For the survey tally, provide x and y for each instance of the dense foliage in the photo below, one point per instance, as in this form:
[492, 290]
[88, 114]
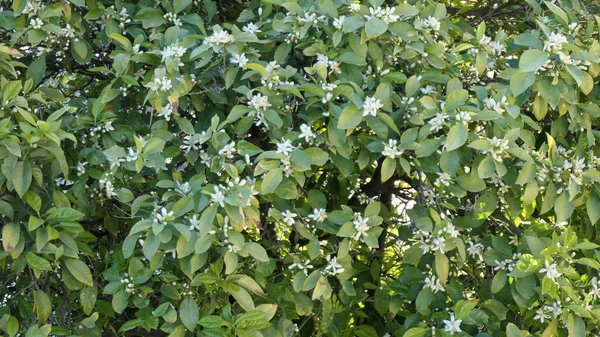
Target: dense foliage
[302, 168]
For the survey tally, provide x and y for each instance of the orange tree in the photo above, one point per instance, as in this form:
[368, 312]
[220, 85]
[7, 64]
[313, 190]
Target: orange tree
[300, 168]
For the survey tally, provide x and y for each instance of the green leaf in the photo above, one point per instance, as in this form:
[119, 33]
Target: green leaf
[129, 325]
[87, 298]
[457, 137]
[512, 330]
[323, 289]
[456, 98]
[329, 7]
[442, 267]
[123, 42]
[593, 206]
[21, 177]
[486, 168]
[526, 174]
[212, 321]
[189, 313]
[256, 251]
[387, 169]
[242, 298]
[350, 118]
[36, 70]
[121, 63]
[560, 14]
[563, 207]
[42, 304]
[521, 81]
[12, 326]
[119, 301]
[375, 27]
[417, 332]
[271, 180]
[180, 5]
[59, 155]
[150, 17]
[532, 60]
[11, 233]
[18, 6]
[64, 214]
[575, 326]
[154, 145]
[206, 220]
[80, 271]
[81, 50]
[231, 262]
[37, 262]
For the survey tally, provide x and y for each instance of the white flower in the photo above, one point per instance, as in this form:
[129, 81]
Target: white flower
[499, 146]
[452, 230]
[485, 40]
[437, 122]
[555, 309]
[391, 149]
[361, 227]
[110, 190]
[36, 23]
[430, 23]
[166, 112]
[190, 143]
[288, 217]
[464, 117]
[438, 244]
[81, 168]
[433, 283]
[491, 104]
[166, 53]
[272, 66]
[540, 315]
[164, 83]
[108, 126]
[172, 17]
[116, 162]
[251, 28]
[218, 197]
[319, 215]
[310, 18]
[219, 38]
[452, 325]
[429, 89]
[307, 133]
[304, 267]
[551, 271]
[259, 102]
[333, 268]
[497, 48]
[69, 31]
[133, 154]
[371, 106]
[475, 249]
[163, 216]
[239, 59]
[285, 147]
[555, 42]
[443, 179]
[339, 22]
[383, 14]
[355, 7]
[194, 222]
[183, 188]
[228, 150]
